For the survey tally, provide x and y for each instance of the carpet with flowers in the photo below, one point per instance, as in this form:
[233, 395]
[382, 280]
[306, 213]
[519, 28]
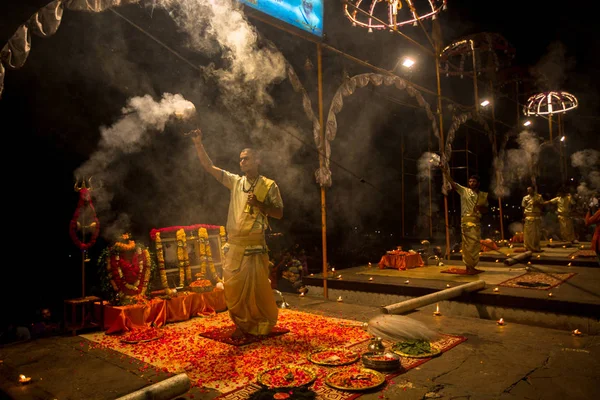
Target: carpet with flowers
[233, 370]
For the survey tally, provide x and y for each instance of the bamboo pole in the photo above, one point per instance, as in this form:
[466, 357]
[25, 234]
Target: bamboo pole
[416, 302]
[496, 147]
[441, 142]
[321, 164]
[402, 168]
[475, 91]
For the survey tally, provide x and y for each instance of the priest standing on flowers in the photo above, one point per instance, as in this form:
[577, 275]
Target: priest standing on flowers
[473, 203]
[254, 198]
[532, 204]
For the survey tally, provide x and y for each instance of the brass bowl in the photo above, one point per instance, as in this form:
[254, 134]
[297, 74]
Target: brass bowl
[386, 361]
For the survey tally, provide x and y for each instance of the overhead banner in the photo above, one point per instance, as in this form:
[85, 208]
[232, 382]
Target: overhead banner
[304, 14]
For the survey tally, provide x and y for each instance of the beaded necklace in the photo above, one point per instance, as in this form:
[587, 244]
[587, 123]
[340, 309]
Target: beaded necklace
[252, 185]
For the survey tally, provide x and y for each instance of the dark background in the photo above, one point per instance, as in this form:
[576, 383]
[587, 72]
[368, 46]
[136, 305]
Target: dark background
[76, 82]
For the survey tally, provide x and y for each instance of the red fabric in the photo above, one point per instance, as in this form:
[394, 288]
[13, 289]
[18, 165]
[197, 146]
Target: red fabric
[158, 312]
[591, 220]
[488, 245]
[401, 260]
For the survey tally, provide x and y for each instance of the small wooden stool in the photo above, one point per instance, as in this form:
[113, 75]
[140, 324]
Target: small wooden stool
[86, 308]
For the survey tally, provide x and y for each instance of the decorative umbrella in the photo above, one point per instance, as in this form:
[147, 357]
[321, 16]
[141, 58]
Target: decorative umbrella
[550, 103]
[391, 14]
[488, 52]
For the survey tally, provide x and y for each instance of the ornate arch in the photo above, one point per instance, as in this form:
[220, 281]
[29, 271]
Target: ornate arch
[457, 122]
[323, 174]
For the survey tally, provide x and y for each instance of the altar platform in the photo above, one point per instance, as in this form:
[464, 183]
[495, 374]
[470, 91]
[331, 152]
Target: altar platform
[158, 311]
[546, 291]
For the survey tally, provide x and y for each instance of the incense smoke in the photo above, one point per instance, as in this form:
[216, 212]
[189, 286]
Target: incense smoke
[518, 165]
[552, 70]
[141, 117]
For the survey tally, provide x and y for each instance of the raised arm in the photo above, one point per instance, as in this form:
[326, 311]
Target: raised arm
[446, 172]
[205, 160]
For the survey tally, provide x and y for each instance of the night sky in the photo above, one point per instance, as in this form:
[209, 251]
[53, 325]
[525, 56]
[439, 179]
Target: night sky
[75, 84]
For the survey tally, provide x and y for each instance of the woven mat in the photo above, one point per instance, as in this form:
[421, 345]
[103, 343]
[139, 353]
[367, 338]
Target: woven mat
[445, 343]
[583, 254]
[538, 280]
[223, 335]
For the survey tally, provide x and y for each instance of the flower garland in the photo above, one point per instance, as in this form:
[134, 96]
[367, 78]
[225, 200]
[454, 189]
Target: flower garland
[206, 256]
[185, 271]
[160, 256]
[85, 201]
[129, 270]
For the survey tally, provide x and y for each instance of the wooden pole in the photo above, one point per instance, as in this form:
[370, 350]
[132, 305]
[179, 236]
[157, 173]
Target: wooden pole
[496, 155]
[475, 91]
[441, 140]
[402, 168]
[416, 302]
[321, 164]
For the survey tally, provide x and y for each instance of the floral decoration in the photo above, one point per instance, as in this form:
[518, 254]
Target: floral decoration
[206, 256]
[129, 269]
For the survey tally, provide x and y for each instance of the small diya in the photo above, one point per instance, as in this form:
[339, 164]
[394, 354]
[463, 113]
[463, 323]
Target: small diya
[384, 362]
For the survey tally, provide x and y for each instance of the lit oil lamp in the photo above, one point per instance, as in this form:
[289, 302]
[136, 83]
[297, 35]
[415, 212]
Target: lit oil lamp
[496, 289]
[339, 276]
[407, 281]
[312, 274]
[528, 262]
[437, 312]
[370, 278]
[501, 322]
[550, 294]
[332, 269]
[497, 260]
[302, 294]
[339, 299]
[577, 332]
[569, 264]
[447, 285]
[370, 265]
[572, 257]
[24, 379]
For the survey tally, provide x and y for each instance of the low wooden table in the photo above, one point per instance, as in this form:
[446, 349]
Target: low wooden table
[83, 307]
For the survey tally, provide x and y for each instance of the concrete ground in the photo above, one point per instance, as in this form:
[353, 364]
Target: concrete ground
[514, 361]
[534, 356]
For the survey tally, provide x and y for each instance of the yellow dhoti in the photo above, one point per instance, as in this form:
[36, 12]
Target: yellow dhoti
[567, 233]
[471, 241]
[532, 233]
[248, 294]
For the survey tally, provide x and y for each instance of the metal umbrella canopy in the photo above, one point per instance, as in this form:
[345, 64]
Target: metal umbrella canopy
[391, 14]
[548, 104]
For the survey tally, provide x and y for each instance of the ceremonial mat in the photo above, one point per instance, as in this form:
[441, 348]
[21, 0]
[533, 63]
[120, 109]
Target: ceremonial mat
[538, 280]
[223, 335]
[444, 343]
[583, 254]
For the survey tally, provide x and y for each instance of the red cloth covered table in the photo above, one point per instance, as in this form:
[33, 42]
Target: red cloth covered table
[401, 260]
[158, 312]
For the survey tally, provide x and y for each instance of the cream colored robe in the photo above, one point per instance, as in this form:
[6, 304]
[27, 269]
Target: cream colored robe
[248, 293]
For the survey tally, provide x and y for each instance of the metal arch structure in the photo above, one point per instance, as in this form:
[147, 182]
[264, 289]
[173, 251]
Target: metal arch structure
[372, 14]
